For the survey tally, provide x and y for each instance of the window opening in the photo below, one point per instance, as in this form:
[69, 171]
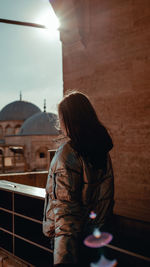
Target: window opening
[42, 155]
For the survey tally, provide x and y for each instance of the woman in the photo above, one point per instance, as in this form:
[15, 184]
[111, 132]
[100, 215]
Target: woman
[80, 180]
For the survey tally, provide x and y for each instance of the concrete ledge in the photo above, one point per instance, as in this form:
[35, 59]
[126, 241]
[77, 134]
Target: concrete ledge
[37, 179]
[7, 260]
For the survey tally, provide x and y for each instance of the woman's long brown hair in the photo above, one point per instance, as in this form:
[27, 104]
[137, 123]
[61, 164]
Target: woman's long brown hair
[88, 136]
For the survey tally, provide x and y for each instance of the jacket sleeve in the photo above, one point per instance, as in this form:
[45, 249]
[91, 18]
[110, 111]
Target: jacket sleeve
[67, 208]
[106, 198]
[48, 216]
[67, 204]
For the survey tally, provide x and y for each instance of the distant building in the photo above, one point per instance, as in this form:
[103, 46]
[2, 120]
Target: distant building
[26, 135]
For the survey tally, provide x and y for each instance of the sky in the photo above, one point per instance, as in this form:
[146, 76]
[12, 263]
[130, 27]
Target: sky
[30, 58]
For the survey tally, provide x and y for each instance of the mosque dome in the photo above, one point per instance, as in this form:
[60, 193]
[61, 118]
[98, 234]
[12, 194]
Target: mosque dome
[18, 110]
[42, 123]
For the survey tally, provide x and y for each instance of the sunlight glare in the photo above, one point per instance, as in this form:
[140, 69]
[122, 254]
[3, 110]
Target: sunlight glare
[51, 22]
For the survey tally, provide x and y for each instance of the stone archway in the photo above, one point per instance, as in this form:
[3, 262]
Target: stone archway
[17, 128]
[9, 130]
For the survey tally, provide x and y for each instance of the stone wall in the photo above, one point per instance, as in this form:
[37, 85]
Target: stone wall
[106, 54]
[32, 146]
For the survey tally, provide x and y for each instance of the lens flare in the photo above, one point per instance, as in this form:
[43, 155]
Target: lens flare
[103, 262]
[97, 233]
[97, 239]
[92, 215]
[51, 22]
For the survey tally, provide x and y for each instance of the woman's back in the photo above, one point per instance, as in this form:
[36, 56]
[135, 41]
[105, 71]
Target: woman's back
[93, 188]
[98, 193]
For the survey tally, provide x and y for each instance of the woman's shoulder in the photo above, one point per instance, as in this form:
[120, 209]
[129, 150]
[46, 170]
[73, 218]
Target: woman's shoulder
[64, 150]
[67, 156]
[64, 147]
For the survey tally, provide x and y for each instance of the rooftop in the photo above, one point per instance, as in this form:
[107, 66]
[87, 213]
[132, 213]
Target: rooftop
[18, 110]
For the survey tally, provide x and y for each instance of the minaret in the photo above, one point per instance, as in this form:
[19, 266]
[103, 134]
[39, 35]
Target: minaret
[20, 96]
[44, 105]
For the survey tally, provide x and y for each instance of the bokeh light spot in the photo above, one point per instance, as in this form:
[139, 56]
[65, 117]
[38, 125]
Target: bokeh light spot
[97, 242]
[92, 215]
[96, 233]
[103, 262]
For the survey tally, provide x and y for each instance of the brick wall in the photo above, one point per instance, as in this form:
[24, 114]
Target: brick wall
[106, 54]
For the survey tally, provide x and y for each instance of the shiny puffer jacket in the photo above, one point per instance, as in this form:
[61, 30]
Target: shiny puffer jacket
[73, 190]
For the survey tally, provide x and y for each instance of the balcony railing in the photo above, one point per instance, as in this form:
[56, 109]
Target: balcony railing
[21, 214]
[21, 210]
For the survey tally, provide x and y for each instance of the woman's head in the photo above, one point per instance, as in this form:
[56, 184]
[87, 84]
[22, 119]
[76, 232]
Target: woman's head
[75, 111]
[79, 121]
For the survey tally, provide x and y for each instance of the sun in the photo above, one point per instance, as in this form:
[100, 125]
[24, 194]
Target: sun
[51, 22]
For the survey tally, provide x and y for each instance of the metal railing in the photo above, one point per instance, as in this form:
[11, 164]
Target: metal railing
[21, 211]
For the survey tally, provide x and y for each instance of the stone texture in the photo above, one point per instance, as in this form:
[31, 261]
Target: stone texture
[110, 62]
